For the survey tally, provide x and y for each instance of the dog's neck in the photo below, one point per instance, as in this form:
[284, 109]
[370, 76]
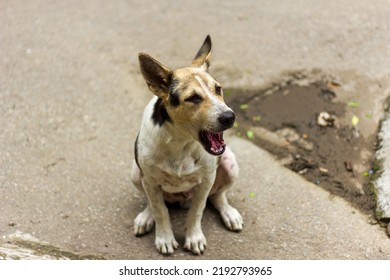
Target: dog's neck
[176, 141]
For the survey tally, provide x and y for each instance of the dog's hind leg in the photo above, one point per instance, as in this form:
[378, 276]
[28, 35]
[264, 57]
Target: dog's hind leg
[144, 221]
[227, 172]
[135, 176]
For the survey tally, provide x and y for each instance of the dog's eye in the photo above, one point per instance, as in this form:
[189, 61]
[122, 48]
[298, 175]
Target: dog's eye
[218, 89]
[195, 98]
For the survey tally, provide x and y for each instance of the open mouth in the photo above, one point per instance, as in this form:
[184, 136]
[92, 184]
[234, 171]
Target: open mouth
[212, 142]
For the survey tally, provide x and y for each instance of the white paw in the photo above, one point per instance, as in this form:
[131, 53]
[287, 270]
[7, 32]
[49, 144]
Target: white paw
[196, 243]
[166, 244]
[232, 218]
[144, 222]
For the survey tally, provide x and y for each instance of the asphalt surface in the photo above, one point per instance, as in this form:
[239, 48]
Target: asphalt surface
[72, 98]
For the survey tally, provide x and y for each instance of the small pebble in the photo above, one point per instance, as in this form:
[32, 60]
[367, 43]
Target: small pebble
[323, 170]
[348, 166]
[325, 119]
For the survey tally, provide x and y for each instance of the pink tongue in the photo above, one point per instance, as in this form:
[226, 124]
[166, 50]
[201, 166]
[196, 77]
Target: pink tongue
[216, 140]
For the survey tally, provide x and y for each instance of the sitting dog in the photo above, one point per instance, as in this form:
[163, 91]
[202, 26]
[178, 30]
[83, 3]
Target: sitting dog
[180, 153]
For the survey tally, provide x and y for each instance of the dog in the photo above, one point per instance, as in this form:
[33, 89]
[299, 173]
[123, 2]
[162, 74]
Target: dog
[180, 153]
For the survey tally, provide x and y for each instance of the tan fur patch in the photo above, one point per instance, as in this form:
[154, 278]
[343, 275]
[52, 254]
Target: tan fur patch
[191, 81]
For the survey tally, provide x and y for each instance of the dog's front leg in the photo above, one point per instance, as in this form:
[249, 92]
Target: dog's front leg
[165, 240]
[195, 240]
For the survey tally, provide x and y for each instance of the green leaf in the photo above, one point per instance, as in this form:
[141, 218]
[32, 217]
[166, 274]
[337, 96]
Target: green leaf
[227, 92]
[368, 116]
[250, 134]
[252, 194]
[244, 106]
[353, 104]
[256, 118]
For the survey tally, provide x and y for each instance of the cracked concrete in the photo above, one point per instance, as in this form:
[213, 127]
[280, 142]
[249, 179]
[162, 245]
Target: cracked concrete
[382, 183]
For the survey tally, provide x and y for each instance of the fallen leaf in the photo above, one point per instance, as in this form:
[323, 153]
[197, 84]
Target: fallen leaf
[250, 134]
[355, 120]
[368, 116]
[252, 194]
[244, 106]
[227, 92]
[256, 118]
[353, 104]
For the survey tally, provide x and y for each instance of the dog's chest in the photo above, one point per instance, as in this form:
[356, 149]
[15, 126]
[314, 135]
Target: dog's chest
[179, 175]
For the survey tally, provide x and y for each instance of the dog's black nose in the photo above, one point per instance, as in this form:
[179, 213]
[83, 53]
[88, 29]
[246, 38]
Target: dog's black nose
[227, 119]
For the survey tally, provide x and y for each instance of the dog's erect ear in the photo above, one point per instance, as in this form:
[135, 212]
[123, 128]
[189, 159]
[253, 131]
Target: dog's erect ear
[157, 76]
[202, 58]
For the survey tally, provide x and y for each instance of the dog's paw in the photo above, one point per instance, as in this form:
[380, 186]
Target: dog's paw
[196, 243]
[232, 218]
[144, 222]
[166, 245]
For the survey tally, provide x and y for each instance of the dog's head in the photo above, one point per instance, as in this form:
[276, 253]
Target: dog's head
[190, 99]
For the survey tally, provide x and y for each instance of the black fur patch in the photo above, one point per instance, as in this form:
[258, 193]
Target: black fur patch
[174, 98]
[174, 94]
[136, 151]
[160, 114]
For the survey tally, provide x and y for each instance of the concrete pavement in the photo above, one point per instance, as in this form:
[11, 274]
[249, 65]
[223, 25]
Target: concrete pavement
[72, 98]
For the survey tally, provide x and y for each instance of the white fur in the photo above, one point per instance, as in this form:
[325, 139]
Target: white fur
[171, 164]
[218, 106]
[174, 166]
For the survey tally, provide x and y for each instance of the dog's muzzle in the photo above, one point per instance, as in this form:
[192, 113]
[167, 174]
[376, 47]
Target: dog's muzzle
[213, 141]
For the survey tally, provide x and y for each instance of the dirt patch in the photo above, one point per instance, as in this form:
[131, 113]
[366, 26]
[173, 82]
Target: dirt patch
[302, 127]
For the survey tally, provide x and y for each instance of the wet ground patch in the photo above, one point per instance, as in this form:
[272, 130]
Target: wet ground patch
[305, 128]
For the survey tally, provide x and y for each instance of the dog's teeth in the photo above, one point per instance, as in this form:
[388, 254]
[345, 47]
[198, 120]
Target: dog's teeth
[216, 150]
